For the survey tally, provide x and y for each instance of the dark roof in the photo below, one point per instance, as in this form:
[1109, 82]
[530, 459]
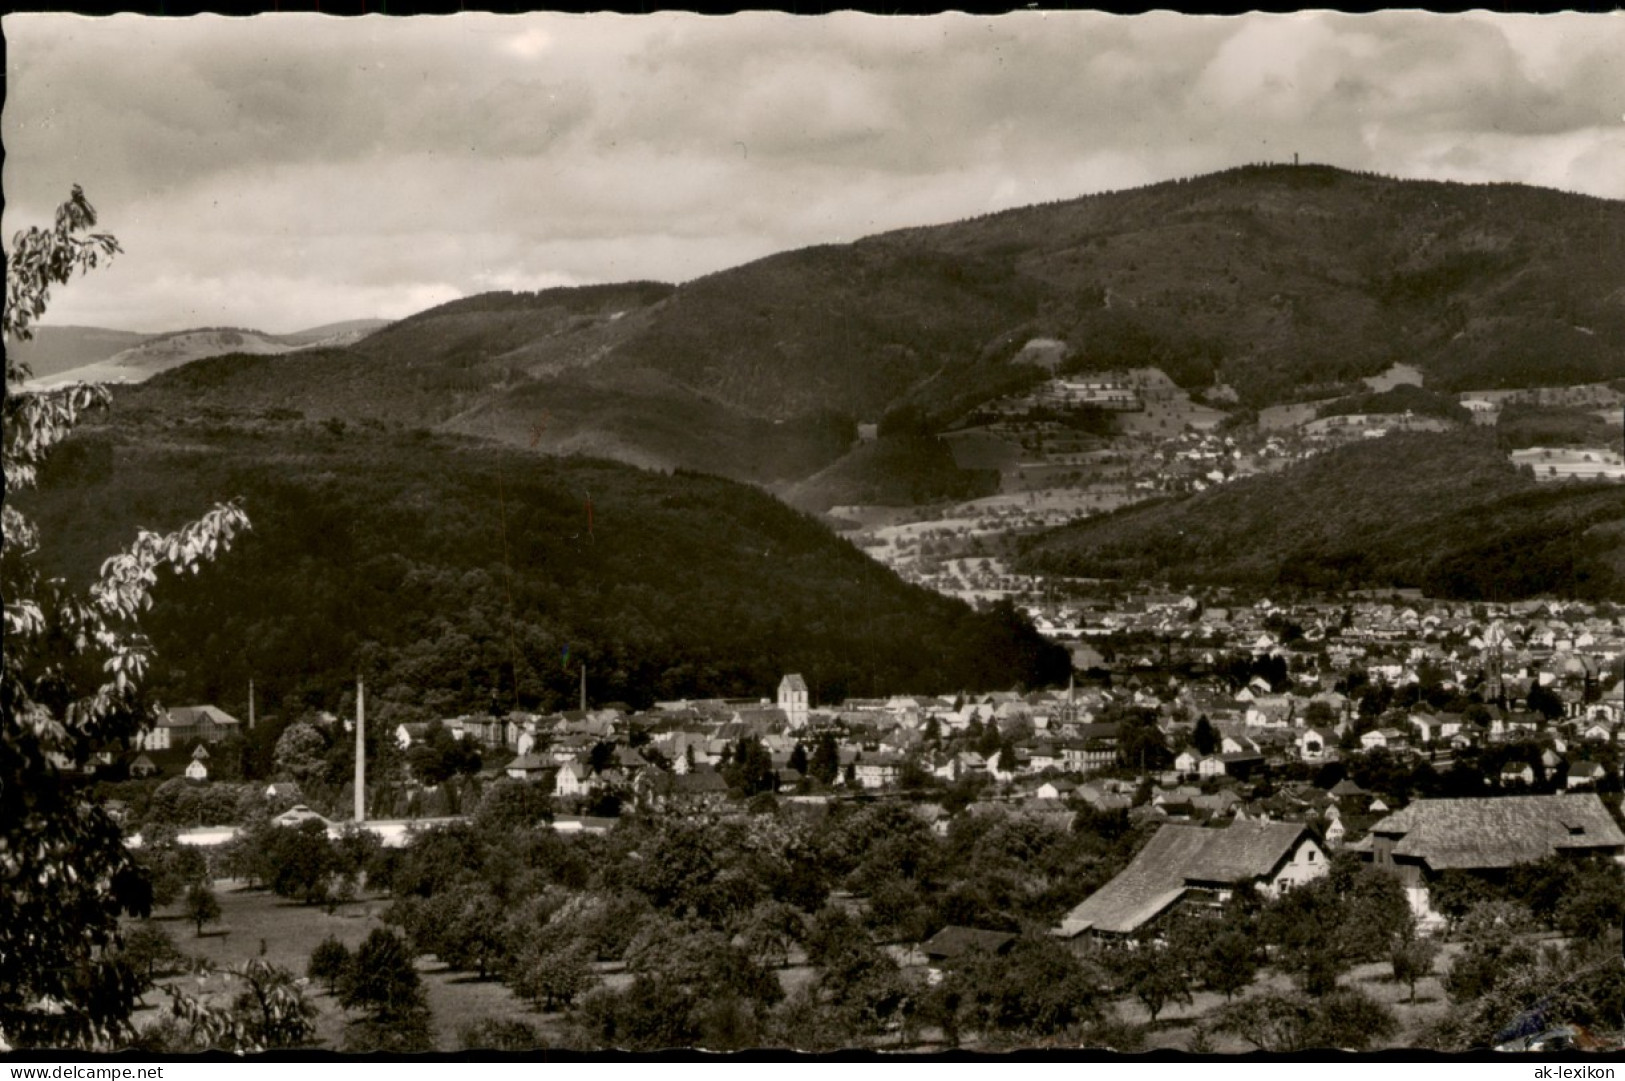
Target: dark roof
[1500, 832]
[1175, 858]
[951, 942]
[695, 783]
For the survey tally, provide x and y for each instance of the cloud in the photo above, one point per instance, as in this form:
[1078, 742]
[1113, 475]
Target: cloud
[283, 170]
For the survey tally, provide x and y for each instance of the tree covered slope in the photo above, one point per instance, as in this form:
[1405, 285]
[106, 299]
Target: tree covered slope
[437, 565]
[1443, 512]
[1286, 283]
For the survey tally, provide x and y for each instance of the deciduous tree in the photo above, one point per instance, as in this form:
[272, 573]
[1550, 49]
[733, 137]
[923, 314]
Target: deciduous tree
[72, 663]
[201, 907]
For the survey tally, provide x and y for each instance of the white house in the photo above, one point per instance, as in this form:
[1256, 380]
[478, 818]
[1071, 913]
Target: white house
[1314, 744]
[1388, 738]
[574, 779]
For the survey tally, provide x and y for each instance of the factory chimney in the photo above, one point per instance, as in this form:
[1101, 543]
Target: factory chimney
[360, 752]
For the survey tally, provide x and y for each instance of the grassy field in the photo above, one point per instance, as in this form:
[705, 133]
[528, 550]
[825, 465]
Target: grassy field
[253, 921]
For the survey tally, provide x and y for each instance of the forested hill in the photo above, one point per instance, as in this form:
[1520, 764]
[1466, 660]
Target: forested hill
[1283, 282]
[432, 563]
[1446, 513]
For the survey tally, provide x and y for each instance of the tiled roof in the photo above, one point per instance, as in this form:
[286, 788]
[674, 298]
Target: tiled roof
[1500, 832]
[190, 716]
[1175, 858]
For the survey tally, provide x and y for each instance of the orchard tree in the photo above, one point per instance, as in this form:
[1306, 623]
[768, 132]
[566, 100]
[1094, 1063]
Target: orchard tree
[1412, 960]
[151, 952]
[72, 663]
[328, 963]
[201, 907]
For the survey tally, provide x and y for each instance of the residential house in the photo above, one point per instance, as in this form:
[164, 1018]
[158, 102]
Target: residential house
[1055, 789]
[878, 770]
[1487, 836]
[1243, 764]
[143, 767]
[1514, 773]
[1187, 761]
[1586, 774]
[177, 727]
[1197, 867]
[528, 767]
[1315, 744]
[1390, 739]
[1270, 711]
[703, 789]
[574, 779]
[196, 770]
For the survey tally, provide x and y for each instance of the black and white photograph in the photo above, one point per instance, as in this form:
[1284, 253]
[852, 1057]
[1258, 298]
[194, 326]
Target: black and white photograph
[1053, 531]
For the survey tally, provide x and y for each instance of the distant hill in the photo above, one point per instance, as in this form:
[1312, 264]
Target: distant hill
[81, 356]
[435, 563]
[1285, 283]
[57, 349]
[1446, 513]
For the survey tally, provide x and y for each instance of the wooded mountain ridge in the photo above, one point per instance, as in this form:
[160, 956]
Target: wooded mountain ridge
[1283, 283]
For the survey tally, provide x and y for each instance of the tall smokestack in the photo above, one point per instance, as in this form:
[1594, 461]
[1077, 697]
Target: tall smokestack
[360, 752]
[250, 705]
[583, 686]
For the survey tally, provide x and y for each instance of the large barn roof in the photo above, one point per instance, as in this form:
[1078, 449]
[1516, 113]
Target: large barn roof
[1177, 858]
[1500, 832]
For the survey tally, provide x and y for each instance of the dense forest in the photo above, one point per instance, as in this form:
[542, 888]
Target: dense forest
[1443, 512]
[457, 575]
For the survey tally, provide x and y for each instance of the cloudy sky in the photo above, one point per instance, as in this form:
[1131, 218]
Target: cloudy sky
[285, 171]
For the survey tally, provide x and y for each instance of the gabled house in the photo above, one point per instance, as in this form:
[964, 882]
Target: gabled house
[143, 767]
[1197, 867]
[1586, 774]
[1056, 789]
[1315, 743]
[574, 779]
[1518, 773]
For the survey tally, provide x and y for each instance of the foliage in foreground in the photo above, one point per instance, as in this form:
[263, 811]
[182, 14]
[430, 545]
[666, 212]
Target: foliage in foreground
[72, 664]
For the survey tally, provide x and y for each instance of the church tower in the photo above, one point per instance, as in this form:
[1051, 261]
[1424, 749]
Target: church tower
[793, 700]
